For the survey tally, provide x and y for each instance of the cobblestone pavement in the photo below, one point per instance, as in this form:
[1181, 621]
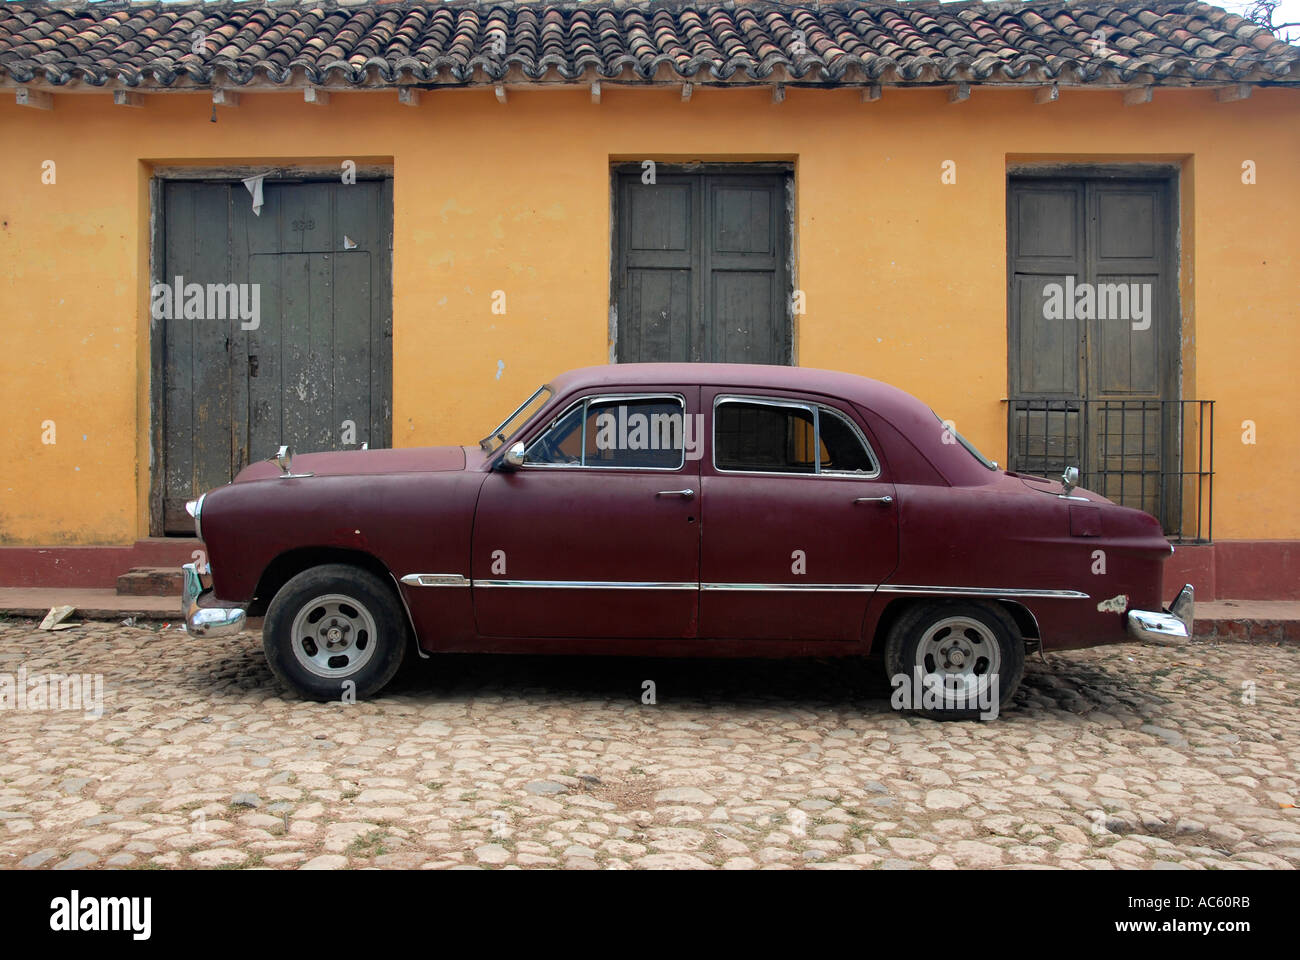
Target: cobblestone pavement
[1126, 756]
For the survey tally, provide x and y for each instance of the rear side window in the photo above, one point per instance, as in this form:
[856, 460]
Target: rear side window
[771, 436]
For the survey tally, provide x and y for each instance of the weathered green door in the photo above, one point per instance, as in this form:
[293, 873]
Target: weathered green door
[702, 268]
[299, 351]
[1093, 335]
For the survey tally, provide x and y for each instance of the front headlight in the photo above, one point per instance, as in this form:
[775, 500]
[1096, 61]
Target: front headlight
[195, 509]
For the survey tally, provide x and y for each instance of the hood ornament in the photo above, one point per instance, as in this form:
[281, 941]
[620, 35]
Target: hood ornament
[1069, 480]
[284, 460]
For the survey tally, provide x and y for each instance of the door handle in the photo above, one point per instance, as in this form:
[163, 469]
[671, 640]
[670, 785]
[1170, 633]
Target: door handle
[883, 501]
[684, 494]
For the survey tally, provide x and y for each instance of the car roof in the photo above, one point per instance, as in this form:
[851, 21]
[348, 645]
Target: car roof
[863, 390]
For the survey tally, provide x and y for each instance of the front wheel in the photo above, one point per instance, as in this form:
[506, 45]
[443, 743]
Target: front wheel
[954, 660]
[335, 632]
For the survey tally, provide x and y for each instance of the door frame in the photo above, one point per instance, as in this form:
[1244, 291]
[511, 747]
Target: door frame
[209, 172]
[786, 256]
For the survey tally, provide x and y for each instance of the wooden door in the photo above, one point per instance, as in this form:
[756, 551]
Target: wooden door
[702, 268]
[310, 366]
[1093, 336]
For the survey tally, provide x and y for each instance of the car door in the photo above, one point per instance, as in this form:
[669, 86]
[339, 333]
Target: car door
[800, 525]
[597, 534]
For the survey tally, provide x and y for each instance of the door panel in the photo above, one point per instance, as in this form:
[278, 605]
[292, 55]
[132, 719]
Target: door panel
[661, 299]
[753, 528]
[742, 310]
[789, 555]
[592, 552]
[701, 268]
[199, 433]
[316, 358]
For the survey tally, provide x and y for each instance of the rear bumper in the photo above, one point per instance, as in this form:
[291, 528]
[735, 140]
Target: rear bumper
[1174, 623]
[203, 621]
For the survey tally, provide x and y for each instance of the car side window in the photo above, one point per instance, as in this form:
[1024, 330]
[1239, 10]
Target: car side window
[764, 436]
[843, 448]
[772, 436]
[618, 432]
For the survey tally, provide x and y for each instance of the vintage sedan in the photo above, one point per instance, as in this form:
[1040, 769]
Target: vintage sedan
[681, 510]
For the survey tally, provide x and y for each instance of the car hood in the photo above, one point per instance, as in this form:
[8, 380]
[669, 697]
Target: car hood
[344, 463]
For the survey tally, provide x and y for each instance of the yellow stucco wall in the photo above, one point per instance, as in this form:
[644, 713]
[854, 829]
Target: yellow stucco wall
[905, 277]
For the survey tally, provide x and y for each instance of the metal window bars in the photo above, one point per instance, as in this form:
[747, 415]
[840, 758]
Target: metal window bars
[1156, 455]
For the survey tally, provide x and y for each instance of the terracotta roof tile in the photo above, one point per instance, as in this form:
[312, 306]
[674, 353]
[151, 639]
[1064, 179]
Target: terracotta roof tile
[340, 42]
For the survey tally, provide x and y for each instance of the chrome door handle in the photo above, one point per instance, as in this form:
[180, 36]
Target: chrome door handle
[684, 494]
[886, 501]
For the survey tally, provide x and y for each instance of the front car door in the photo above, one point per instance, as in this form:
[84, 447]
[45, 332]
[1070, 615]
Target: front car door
[800, 523]
[597, 535]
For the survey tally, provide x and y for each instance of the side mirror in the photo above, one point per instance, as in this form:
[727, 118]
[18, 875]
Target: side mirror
[1069, 480]
[514, 457]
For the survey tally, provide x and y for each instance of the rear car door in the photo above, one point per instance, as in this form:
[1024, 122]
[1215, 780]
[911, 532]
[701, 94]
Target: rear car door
[800, 526]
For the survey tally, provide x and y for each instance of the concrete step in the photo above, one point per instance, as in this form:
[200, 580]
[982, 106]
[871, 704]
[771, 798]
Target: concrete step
[150, 582]
[92, 604]
[1248, 621]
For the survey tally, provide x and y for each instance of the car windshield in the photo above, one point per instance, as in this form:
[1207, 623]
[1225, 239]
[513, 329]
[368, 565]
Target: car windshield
[970, 447]
[511, 424]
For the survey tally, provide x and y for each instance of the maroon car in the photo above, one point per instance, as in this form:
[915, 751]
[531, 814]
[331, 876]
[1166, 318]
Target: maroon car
[681, 510]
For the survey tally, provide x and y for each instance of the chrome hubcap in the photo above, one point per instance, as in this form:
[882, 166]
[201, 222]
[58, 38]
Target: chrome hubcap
[333, 636]
[961, 655]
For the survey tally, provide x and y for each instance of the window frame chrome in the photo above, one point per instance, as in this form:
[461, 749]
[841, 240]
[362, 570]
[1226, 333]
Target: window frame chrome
[586, 402]
[518, 410]
[815, 407]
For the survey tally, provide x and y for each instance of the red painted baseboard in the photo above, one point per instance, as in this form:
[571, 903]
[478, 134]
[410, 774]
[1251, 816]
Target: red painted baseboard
[89, 567]
[1237, 570]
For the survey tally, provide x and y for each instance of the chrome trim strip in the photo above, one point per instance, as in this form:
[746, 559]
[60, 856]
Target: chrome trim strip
[589, 584]
[435, 580]
[456, 580]
[811, 587]
[666, 585]
[985, 591]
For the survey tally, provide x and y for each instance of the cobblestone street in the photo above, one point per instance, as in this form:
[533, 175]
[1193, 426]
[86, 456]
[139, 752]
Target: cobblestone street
[1125, 756]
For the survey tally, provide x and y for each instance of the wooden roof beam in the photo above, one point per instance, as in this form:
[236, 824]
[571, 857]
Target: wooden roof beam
[1137, 96]
[27, 97]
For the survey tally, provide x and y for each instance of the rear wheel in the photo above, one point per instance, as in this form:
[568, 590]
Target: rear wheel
[335, 632]
[954, 660]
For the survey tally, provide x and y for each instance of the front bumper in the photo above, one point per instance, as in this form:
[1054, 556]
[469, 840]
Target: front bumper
[1175, 623]
[203, 621]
